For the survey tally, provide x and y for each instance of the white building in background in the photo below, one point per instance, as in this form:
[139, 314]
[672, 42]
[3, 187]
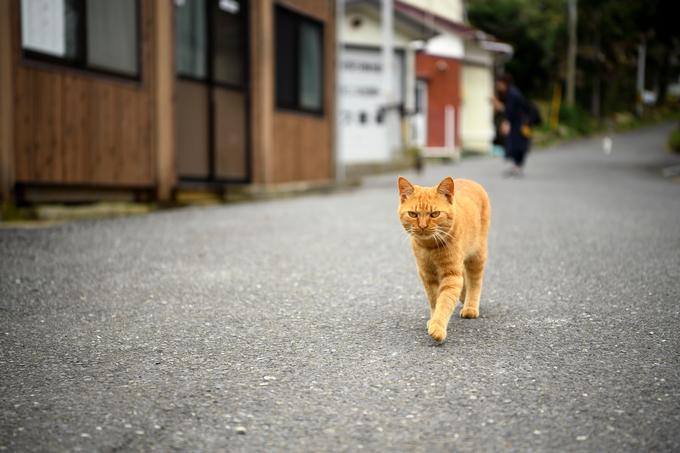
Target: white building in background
[452, 10]
[371, 128]
[481, 56]
[373, 131]
[474, 54]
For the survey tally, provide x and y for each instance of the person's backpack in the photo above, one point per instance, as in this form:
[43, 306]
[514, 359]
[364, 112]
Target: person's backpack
[531, 118]
[533, 115]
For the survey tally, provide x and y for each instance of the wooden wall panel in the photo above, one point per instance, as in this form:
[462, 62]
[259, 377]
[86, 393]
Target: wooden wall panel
[302, 151]
[230, 134]
[79, 127]
[47, 160]
[128, 165]
[7, 113]
[76, 133]
[191, 129]
[321, 9]
[103, 129]
[302, 143]
[285, 158]
[23, 125]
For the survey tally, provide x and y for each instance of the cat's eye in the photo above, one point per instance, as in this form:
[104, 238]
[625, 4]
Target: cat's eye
[435, 214]
[413, 214]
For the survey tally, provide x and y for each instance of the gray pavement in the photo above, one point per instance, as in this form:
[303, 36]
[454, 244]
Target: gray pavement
[299, 325]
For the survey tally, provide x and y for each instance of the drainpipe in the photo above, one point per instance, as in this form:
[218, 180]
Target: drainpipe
[339, 52]
[387, 20]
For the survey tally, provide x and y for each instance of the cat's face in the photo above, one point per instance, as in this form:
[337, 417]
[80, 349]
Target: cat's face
[426, 212]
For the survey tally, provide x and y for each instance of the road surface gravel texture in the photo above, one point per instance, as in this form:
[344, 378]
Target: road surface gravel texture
[299, 324]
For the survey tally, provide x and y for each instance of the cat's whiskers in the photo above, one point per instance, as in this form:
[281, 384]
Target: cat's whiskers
[409, 233]
[438, 239]
[446, 234]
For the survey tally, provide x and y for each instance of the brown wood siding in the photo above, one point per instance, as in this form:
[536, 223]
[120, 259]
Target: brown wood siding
[303, 143]
[230, 144]
[76, 127]
[261, 88]
[6, 104]
[302, 148]
[191, 133]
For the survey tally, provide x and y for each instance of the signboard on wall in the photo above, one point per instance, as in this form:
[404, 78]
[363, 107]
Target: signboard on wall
[42, 26]
[369, 133]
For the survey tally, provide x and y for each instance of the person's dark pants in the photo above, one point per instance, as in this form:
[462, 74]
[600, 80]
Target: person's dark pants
[518, 156]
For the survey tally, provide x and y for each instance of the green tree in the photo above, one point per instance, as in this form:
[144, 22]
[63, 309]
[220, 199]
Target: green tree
[609, 34]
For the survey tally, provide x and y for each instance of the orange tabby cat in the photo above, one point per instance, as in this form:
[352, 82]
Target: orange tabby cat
[448, 226]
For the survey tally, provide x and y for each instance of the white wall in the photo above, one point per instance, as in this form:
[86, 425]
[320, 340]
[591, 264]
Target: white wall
[361, 88]
[476, 54]
[368, 32]
[477, 128]
[448, 9]
[364, 137]
[446, 45]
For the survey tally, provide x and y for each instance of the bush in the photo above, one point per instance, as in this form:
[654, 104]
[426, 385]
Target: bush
[578, 119]
[674, 140]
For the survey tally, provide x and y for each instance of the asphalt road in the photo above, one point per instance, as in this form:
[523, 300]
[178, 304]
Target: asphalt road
[299, 325]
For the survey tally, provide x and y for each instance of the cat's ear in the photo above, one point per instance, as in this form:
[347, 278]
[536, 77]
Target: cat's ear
[405, 188]
[446, 188]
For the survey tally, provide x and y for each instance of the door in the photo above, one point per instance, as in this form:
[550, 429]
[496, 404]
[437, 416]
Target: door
[211, 38]
[369, 132]
[419, 120]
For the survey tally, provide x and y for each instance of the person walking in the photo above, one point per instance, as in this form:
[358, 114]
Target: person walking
[515, 128]
[498, 144]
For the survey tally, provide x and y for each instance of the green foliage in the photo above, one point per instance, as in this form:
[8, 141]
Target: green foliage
[674, 140]
[577, 119]
[534, 28]
[609, 32]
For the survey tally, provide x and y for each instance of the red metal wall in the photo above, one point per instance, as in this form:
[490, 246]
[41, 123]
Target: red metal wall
[444, 78]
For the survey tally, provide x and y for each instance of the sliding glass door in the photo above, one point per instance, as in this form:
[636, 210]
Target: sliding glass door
[212, 90]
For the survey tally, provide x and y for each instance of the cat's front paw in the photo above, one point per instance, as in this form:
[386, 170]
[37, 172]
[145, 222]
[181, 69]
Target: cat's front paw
[436, 331]
[469, 312]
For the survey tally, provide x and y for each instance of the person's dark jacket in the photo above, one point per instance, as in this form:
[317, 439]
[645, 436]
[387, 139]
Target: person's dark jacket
[498, 139]
[515, 113]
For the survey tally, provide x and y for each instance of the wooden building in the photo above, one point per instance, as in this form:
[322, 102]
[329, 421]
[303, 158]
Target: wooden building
[140, 98]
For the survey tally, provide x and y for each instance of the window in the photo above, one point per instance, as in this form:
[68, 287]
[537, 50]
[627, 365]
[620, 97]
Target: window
[229, 37]
[299, 62]
[112, 35]
[50, 27]
[80, 33]
[190, 35]
[211, 40]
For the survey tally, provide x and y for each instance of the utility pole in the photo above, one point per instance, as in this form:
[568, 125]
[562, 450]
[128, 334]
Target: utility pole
[339, 104]
[387, 20]
[571, 56]
[387, 50]
[642, 57]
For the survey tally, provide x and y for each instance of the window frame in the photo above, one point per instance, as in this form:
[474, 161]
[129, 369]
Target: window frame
[79, 63]
[209, 36]
[300, 17]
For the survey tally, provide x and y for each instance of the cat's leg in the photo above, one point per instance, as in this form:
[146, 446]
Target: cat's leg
[462, 292]
[431, 285]
[450, 287]
[474, 271]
